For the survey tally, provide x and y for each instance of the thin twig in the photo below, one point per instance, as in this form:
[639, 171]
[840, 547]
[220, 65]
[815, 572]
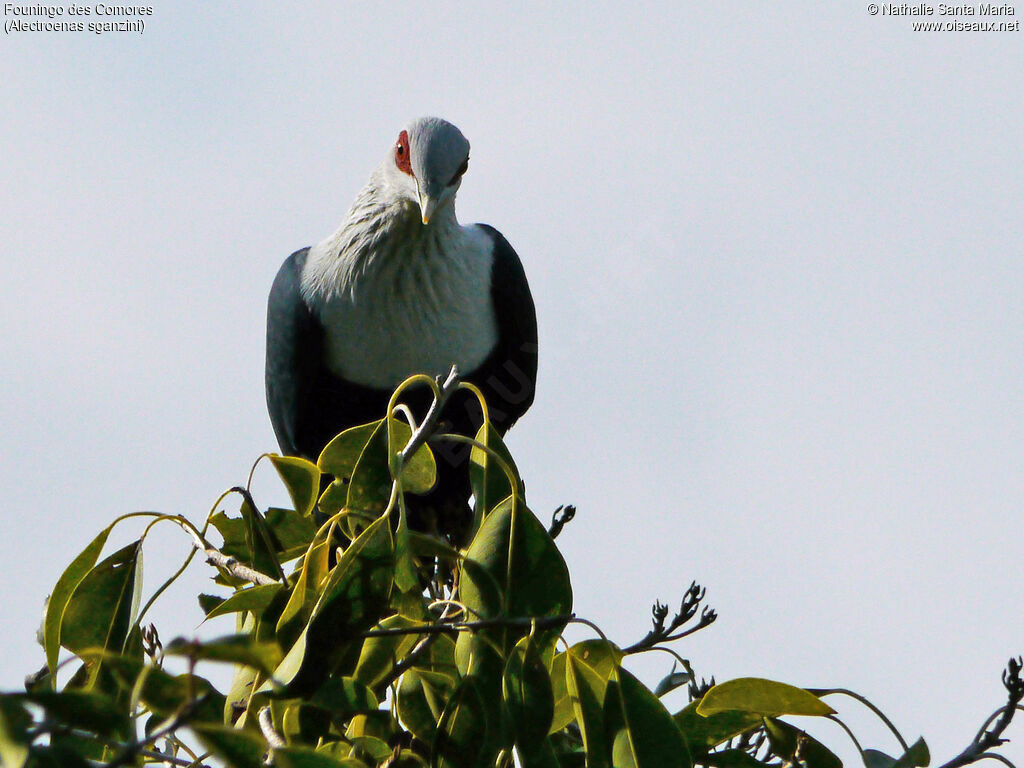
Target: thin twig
[687, 610]
[421, 647]
[543, 622]
[430, 421]
[987, 738]
[230, 564]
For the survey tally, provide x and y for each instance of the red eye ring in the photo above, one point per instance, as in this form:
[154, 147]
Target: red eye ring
[402, 158]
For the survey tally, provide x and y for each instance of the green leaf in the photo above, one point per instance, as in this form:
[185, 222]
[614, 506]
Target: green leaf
[513, 564]
[762, 697]
[302, 480]
[238, 748]
[86, 710]
[339, 457]
[917, 756]
[640, 730]
[305, 593]
[526, 687]
[785, 739]
[344, 696]
[249, 540]
[422, 696]
[292, 531]
[207, 603]
[380, 654]
[103, 606]
[254, 599]
[490, 483]
[369, 488]
[602, 656]
[14, 738]
[235, 649]
[586, 690]
[419, 473]
[564, 712]
[61, 595]
[304, 757]
[701, 733]
[161, 692]
[353, 597]
[461, 738]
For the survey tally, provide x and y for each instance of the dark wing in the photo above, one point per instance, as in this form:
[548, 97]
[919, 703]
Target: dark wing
[294, 348]
[308, 404]
[509, 375]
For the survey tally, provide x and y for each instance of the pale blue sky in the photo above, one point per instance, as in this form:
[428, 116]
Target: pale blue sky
[778, 260]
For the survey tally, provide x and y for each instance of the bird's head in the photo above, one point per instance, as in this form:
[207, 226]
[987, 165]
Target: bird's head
[426, 164]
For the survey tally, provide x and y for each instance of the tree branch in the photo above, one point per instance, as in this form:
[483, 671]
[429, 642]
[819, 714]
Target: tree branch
[987, 738]
[561, 516]
[687, 610]
[230, 564]
[430, 421]
[543, 622]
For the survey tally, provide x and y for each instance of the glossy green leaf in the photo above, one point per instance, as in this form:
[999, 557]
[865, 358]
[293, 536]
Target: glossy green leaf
[375, 748]
[305, 593]
[490, 483]
[701, 733]
[380, 654]
[526, 687]
[586, 694]
[65, 587]
[407, 577]
[420, 473]
[762, 697]
[512, 563]
[104, 604]
[461, 740]
[339, 457]
[254, 599]
[302, 480]
[422, 696]
[239, 748]
[369, 489]
[235, 649]
[564, 713]
[354, 595]
[785, 740]
[602, 656]
[640, 731]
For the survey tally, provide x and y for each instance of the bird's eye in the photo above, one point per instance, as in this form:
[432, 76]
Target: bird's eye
[402, 159]
[458, 174]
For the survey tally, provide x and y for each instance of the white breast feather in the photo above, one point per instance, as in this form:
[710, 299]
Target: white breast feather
[390, 311]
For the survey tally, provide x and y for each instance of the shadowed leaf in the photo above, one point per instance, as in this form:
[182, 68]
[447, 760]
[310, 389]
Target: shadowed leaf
[302, 480]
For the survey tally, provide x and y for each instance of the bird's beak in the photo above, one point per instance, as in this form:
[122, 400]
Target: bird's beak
[428, 207]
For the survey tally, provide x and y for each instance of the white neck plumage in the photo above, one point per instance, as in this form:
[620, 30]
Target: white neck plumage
[398, 297]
